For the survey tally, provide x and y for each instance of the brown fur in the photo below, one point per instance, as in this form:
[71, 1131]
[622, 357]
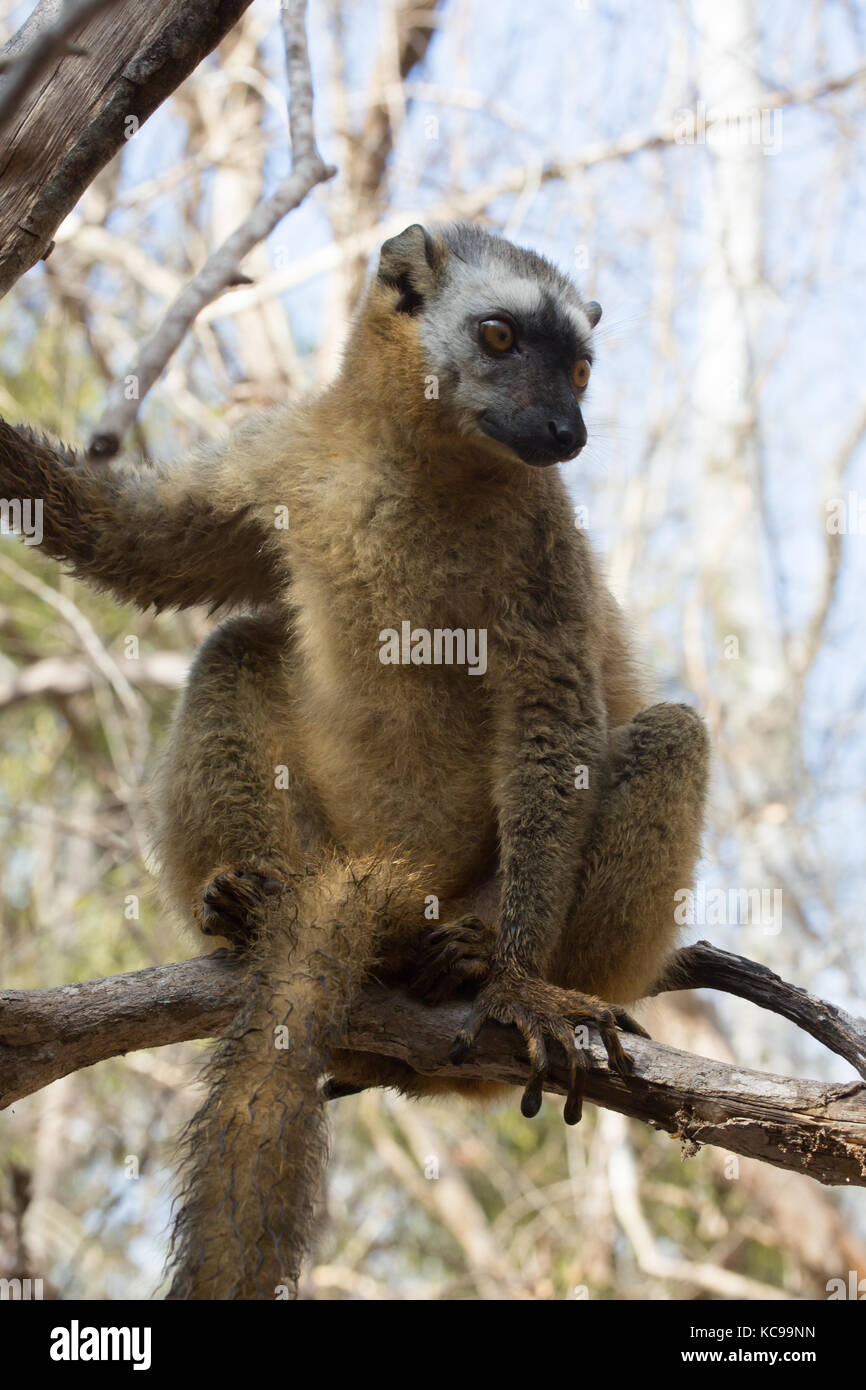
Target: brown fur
[403, 781]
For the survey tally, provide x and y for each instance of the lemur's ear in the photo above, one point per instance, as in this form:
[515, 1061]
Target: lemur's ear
[410, 263]
[593, 312]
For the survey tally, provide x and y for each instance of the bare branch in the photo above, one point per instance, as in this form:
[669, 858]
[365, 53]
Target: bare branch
[475, 202]
[806, 1126]
[301, 130]
[57, 678]
[223, 268]
[703, 966]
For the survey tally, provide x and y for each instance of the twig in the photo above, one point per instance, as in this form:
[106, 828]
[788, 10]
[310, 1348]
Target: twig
[475, 202]
[222, 269]
[806, 1126]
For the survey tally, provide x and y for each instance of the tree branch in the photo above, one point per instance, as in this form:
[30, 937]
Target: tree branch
[65, 128]
[475, 202]
[223, 267]
[59, 678]
[807, 1126]
[703, 966]
[24, 63]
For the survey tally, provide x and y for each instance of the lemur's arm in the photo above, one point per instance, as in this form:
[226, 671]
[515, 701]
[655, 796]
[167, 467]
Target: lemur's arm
[551, 737]
[551, 746]
[169, 536]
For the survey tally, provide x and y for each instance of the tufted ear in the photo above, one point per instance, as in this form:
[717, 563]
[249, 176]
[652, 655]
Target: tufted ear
[593, 311]
[410, 263]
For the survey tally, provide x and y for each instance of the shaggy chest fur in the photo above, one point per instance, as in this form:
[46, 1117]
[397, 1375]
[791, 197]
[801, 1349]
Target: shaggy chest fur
[401, 613]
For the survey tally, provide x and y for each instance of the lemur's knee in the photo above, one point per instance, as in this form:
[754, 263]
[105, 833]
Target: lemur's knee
[669, 741]
[241, 644]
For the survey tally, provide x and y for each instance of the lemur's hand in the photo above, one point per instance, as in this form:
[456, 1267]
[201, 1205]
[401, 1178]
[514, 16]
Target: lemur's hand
[454, 956]
[540, 1010]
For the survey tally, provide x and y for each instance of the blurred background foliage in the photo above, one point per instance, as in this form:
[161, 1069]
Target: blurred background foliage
[727, 410]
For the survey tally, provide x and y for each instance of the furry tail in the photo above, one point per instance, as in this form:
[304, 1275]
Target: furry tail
[254, 1155]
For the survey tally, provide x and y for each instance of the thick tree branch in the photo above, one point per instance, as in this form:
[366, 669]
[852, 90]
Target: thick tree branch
[223, 267]
[26, 59]
[67, 126]
[806, 1126]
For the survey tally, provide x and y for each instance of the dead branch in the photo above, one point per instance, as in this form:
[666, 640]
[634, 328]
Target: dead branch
[67, 126]
[223, 268]
[703, 966]
[807, 1126]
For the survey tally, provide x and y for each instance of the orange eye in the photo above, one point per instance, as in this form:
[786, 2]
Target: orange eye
[497, 334]
[580, 374]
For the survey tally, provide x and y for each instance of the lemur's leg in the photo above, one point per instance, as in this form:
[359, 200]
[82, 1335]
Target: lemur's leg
[235, 820]
[643, 845]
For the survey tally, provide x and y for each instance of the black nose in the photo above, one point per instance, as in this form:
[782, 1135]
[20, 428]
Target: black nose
[568, 438]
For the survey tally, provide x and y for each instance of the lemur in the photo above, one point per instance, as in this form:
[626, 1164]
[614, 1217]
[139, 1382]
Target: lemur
[314, 799]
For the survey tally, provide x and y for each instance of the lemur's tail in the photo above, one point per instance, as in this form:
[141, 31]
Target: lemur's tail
[254, 1155]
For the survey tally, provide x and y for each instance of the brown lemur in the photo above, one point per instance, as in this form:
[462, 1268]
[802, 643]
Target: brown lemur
[316, 799]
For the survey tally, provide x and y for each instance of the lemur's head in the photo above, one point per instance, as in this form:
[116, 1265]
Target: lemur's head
[507, 336]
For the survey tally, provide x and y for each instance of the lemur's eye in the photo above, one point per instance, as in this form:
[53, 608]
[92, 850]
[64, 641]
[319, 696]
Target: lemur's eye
[580, 374]
[497, 334]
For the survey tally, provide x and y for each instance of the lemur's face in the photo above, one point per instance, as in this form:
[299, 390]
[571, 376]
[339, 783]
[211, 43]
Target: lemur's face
[509, 340]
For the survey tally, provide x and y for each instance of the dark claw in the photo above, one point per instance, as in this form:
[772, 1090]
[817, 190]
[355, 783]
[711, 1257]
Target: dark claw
[573, 1111]
[541, 1012]
[531, 1101]
[335, 1090]
[628, 1024]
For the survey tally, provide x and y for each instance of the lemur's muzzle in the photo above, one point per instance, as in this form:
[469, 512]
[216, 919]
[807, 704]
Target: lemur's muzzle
[539, 435]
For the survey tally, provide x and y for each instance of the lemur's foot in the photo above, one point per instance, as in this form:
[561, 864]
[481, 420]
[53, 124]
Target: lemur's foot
[457, 954]
[539, 1011]
[231, 904]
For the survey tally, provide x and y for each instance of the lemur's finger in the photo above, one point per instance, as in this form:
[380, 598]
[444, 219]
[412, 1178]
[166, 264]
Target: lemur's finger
[619, 1060]
[467, 1037]
[628, 1024]
[577, 1067]
[530, 1103]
